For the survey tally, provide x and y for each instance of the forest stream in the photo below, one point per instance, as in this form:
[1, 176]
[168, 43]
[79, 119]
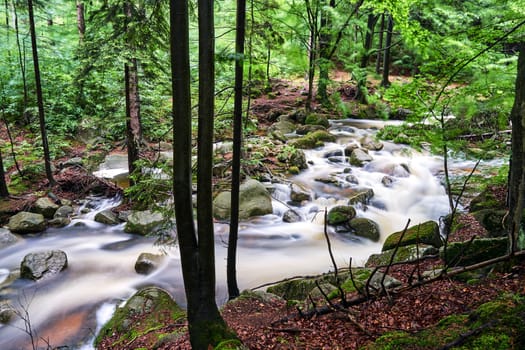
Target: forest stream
[101, 258]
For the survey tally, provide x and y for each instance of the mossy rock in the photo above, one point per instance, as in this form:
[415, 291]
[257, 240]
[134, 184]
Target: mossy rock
[424, 233]
[404, 254]
[153, 306]
[341, 214]
[497, 324]
[485, 200]
[472, 252]
[293, 290]
[313, 140]
[317, 119]
[492, 221]
[365, 228]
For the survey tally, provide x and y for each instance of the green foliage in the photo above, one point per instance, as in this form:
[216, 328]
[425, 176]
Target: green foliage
[152, 188]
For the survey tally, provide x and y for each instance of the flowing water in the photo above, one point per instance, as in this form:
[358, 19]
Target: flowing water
[100, 273]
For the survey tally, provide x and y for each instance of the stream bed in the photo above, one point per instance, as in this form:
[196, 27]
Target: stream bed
[69, 308]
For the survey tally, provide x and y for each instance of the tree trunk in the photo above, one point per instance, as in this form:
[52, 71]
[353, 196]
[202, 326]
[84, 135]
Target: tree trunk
[40, 99]
[81, 23]
[380, 44]
[4, 192]
[231, 273]
[133, 123]
[369, 36]
[517, 161]
[21, 60]
[325, 38]
[206, 326]
[311, 69]
[386, 58]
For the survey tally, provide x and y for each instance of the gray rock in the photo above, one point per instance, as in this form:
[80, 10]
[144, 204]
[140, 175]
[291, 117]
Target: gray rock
[59, 222]
[299, 193]
[371, 144]
[73, 162]
[365, 228]
[7, 312]
[254, 200]
[25, 222]
[282, 127]
[45, 207]
[43, 264]
[7, 238]
[64, 211]
[107, 217]
[291, 216]
[359, 157]
[147, 263]
[387, 181]
[361, 195]
[144, 222]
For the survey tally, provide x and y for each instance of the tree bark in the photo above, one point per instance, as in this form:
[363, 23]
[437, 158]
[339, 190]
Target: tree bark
[206, 326]
[380, 44]
[517, 161]
[386, 58]
[4, 192]
[40, 99]
[369, 37]
[231, 273]
[81, 23]
[133, 122]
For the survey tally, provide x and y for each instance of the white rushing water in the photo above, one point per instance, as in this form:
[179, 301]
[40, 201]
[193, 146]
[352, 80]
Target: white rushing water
[101, 258]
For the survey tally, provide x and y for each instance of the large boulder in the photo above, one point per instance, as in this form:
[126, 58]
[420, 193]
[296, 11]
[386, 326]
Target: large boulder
[147, 263]
[407, 253]
[153, 306]
[340, 215]
[144, 222]
[279, 129]
[107, 217]
[424, 233]
[46, 207]
[43, 264]
[26, 222]
[254, 200]
[365, 228]
[472, 252]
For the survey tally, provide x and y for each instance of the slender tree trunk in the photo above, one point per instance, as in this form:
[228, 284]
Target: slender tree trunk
[21, 60]
[40, 99]
[250, 50]
[380, 44]
[233, 289]
[206, 326]
[386, 58]
[4, 192]
[133, 123]
[517, 162]
[81, 23]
